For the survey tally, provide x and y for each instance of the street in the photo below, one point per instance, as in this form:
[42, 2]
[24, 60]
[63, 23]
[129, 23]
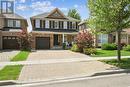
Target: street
[105, 81]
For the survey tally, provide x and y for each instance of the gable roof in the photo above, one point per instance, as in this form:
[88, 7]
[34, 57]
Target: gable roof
[48, 14]
[58, 11]
[12, 16]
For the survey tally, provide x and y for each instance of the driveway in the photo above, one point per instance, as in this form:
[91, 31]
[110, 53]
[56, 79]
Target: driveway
[60, 69]
[54, 54]
[6, 55]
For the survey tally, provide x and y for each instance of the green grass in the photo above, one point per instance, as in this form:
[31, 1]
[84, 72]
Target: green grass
[21, 56]
[108, 53]
[124, 64]
[10, 72]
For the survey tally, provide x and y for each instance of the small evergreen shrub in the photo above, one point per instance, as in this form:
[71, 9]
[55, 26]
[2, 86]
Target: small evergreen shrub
[64, 46]
[126, 48]
[109, 46]
[75, 48]
[89, 51]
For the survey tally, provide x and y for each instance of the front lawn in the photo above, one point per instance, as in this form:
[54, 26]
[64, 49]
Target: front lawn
[10, 72]
[108, 53]
[124, 64]
[21, 56]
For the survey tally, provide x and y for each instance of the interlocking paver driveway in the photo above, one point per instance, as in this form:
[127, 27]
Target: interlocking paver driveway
[54, 54]
[60, 69]
[6, 55]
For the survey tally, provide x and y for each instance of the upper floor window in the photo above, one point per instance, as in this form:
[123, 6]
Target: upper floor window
[56, 24]
[61, 24]
[14, 23]
[37, 23]
[74, 25]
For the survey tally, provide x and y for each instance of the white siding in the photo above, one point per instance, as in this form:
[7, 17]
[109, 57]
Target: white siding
[65, 25]
[46, 24]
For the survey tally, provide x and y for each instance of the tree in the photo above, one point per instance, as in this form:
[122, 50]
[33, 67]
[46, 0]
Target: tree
[84, 40]
[74, 14]
[24, 40]
[110, 16]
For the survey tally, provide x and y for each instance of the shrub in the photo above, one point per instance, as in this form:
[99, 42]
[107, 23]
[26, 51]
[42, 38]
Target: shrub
[109, 46]
[127, 48]
[64, 46]
[89, 51]
[24, 40]
[84, 40]
[75, 48]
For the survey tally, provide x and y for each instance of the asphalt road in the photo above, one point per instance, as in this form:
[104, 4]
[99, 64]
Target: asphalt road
[107, 81]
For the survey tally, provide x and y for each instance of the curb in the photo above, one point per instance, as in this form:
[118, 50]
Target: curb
[8, 82]
[111, 72]
[47, 81]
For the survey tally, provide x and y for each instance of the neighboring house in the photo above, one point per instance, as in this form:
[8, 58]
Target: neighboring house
[10, 27]
[107, 38]
[51, 30]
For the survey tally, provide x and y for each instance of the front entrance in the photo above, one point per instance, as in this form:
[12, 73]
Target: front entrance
[56, 43]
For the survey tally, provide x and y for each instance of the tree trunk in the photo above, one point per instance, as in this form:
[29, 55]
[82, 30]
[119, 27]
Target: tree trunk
[119, 45]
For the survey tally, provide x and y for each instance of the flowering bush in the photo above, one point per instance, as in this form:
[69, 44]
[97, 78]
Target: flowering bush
[84, 40]
[24, 40]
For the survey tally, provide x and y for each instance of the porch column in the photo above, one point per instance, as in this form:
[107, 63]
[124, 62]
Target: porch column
[63, 38]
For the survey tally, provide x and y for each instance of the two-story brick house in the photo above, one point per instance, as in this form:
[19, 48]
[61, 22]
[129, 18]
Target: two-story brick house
[10, 27]
[50, 30]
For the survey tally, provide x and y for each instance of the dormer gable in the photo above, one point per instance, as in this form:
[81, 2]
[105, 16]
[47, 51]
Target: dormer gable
[56, 14]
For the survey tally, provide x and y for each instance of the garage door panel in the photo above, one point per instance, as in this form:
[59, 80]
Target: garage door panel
[10, 43]
[42, 43]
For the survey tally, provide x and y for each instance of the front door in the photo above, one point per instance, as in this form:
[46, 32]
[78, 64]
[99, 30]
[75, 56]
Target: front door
[56, 43]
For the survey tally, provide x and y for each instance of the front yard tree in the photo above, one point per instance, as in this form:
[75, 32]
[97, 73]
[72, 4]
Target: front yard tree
[110, 16]
[74, 14]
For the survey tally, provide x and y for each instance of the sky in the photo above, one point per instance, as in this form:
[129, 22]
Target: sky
[28, 8]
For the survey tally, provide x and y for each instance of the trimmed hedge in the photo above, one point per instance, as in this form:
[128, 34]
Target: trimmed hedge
[89, 51]
[126, 48]
[109, 46]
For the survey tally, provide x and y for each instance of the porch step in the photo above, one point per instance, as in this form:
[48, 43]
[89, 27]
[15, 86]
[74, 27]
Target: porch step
[56, 48]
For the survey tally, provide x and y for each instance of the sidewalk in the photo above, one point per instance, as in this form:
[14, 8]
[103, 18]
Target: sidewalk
[63, 60]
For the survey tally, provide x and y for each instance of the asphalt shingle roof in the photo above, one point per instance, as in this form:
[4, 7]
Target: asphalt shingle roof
[12, 16]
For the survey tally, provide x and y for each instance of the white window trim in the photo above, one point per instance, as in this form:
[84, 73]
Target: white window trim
[17, 23]
[37, 23]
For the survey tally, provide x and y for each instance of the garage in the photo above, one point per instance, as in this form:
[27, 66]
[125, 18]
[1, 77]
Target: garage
[10, 42]
[42, 43]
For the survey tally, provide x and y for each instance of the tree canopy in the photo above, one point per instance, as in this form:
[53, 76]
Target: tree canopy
[74, 14]
[109, 15]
